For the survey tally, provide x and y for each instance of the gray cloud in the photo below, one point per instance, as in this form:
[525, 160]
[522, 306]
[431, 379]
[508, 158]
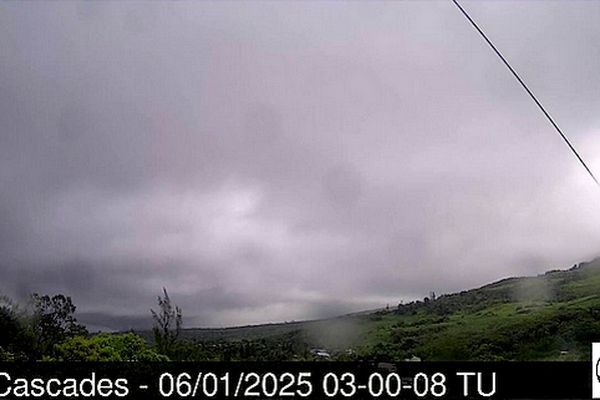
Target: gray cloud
[280, 161]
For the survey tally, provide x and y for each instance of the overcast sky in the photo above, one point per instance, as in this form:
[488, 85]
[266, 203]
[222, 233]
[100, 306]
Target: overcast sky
[270, 161]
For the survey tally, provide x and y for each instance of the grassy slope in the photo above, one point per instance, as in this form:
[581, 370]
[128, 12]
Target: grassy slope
[550, 317]
[532, 318]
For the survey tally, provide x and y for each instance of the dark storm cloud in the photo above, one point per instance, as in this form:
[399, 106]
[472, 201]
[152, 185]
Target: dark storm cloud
[280, 161]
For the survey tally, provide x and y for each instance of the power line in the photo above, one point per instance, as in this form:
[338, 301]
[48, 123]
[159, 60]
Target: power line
[529, 92]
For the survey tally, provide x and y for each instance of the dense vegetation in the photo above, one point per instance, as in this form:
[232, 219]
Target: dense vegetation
[554, 316]
[46, 329]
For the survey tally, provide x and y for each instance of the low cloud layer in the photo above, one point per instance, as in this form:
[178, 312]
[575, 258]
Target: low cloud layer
[270, 161]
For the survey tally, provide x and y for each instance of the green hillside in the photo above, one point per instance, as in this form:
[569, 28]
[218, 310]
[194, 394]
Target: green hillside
[553, 316]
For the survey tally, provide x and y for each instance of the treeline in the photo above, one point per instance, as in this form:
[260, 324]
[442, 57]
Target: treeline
[46, 329]
[465, 301]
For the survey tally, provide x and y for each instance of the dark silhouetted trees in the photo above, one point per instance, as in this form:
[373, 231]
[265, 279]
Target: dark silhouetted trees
[53, 321]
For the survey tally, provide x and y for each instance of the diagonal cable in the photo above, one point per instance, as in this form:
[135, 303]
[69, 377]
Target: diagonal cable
[529, 92]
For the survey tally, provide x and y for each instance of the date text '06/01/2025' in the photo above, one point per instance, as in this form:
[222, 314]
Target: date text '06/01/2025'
[286, 384]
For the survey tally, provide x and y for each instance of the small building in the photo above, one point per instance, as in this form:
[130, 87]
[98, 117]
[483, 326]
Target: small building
[321, 353]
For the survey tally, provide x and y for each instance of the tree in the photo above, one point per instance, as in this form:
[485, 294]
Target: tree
[11, 329]
[167, 324]
[16, 336]
[9, 323]
[53, 321]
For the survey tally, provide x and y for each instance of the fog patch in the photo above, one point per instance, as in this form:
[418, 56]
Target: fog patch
[335, 334]
[532, 290]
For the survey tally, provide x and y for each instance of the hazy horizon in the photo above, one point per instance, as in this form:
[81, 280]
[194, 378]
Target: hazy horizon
[279, 161]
